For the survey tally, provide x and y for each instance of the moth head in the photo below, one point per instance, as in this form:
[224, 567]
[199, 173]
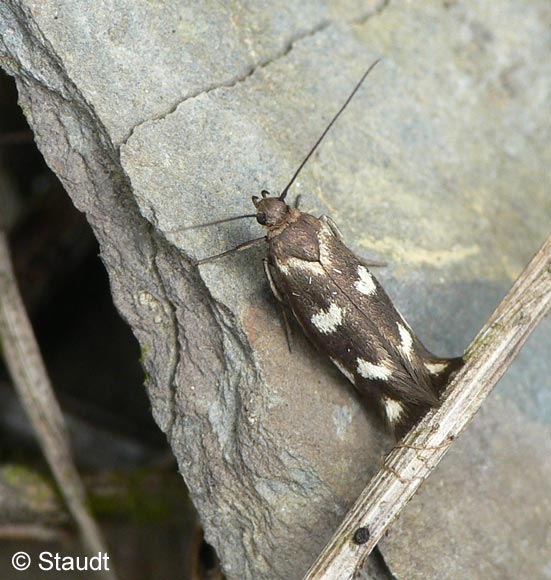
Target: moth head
[270, 211]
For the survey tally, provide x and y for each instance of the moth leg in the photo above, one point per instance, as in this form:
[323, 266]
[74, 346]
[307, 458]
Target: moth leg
[373, 263]
[244, 246]
[337, 233]
[332, 226]
[279, 298]
[298, 199]
[271, 281]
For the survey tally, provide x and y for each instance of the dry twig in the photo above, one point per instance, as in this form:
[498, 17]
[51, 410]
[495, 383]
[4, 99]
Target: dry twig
[31, 380]
[408, 465]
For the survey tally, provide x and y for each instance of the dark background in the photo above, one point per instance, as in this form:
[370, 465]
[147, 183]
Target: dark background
[93, 361]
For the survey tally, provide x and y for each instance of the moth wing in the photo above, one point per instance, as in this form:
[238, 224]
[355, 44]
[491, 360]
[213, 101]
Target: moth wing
[415, 376]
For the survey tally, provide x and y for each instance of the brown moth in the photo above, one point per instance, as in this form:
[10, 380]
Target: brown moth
[344, 310]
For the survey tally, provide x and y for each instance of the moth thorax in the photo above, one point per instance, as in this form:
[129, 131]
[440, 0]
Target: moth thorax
[270, 211]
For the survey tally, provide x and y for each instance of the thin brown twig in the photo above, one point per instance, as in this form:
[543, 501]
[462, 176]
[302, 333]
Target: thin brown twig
[404, 471]
[35, 391]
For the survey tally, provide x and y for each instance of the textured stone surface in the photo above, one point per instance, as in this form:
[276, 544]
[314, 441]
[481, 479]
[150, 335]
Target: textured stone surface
[485, 512]
[161, 115]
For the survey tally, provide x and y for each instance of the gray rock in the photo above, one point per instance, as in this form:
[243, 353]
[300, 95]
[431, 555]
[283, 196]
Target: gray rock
[485, 513]
[157, 116]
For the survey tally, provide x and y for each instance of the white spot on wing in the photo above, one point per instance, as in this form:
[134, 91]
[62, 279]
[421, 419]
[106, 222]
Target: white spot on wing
[327, 321]
[314, 268]
[393, 409]
[407, 340]
[344, 371]
[435, 368]
[372, 371]
[365, 284]
[325, 235]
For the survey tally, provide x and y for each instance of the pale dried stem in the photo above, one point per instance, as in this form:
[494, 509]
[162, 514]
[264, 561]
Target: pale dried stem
[30, 533]
[408, 465]
[32, 383]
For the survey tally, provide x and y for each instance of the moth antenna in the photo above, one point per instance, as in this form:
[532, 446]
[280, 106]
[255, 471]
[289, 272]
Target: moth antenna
[205, 225]
[350, 97]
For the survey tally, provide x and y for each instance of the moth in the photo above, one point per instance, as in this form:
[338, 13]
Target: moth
[343, 309]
